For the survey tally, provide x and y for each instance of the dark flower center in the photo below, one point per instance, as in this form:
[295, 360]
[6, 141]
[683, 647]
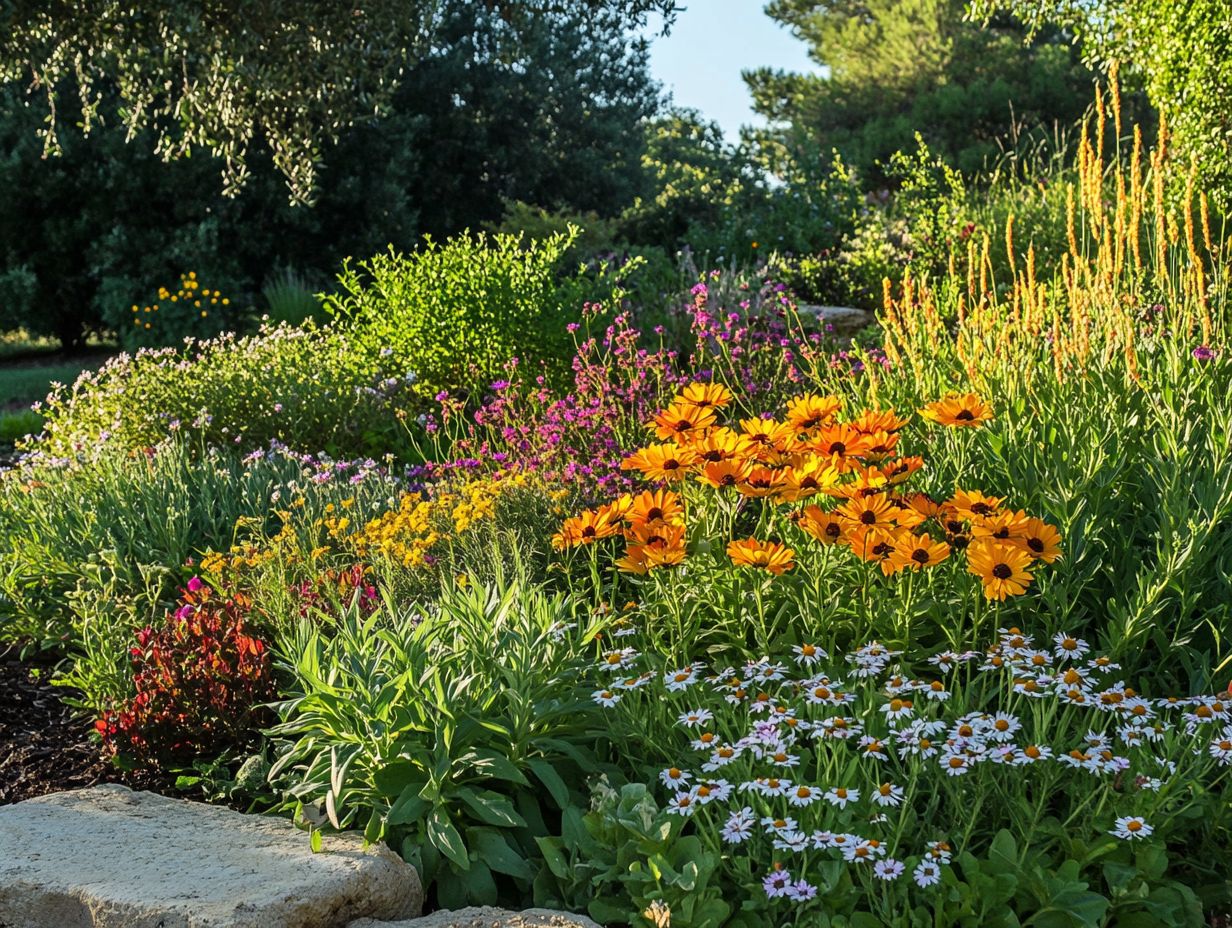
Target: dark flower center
[1035, 544]
[920, 556]
[1002, 571]
[868, 517]
[838, 448]
[654, 514]
[981, 509]
[965, 416]
[833, 530]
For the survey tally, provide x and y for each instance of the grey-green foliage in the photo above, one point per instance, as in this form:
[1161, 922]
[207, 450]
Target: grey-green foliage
[219, 77]
[452, 732]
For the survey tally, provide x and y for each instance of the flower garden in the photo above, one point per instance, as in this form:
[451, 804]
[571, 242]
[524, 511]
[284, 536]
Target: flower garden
[697, 614]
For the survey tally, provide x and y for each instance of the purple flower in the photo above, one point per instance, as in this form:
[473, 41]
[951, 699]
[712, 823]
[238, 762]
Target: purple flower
[777, 883]
[195, 584]
[1204, 353]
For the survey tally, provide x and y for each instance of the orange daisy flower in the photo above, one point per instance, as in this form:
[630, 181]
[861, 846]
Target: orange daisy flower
[767, 436]
[1004, 569]
[661, 462]
[766, 555]
[972, 504]
[725, 473]
[807, 478]
[901, 470]
[762, 481]
[826, 527]
[840, 443]
[965, 410]
[805, 413]
[1039, 539]
[876, 544]
[915, 552]
[1003, 526]
[655, 506]
[681, 420]
[867, 512]
[878, 420]
[584, 529]
[705, 395]
[720, 444]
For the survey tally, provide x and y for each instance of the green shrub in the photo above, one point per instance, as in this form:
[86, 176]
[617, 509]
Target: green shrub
[308, 387]
[455, 313]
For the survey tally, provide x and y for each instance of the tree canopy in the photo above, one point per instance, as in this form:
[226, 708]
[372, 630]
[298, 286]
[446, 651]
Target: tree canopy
[891, 68]
[226, 76]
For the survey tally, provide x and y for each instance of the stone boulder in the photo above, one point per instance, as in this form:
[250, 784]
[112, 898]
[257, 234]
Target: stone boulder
[108, 857]
[485, 917]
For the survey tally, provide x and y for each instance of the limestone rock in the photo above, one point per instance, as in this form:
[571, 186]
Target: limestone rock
[108, 857]
[485, 917]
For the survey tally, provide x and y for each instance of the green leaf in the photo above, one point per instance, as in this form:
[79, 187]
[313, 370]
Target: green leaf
[315, 841]
[547, 775]
[445, 838]
[393, 778]
[492, 808]
[409, 807]
[554, 857]
[479, 885]
[496, 852]
[486, 763]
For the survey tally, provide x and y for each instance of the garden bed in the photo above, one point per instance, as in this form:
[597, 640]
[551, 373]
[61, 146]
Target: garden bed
[44, 746]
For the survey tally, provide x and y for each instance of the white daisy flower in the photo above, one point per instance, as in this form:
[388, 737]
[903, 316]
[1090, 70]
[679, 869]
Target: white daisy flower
[897, 710]
[1032, 754]
[1068, 647]
[926, 873]
[1131, 828]
[775, 826]
[722, 756]
[675, 777]
[739, 826]
[695, 718]
[887, 794]
[605, 698]
[682, 679]
[683, 803]
[792, 841]
[888, 869]
[839, 796]
[803, 795]
[807, 654]
[1221, 748]
[618, 659]
[1002, 727]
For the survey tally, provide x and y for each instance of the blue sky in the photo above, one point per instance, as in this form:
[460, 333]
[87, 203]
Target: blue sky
[710, 44]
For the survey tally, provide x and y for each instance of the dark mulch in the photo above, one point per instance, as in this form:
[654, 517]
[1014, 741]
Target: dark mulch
[44, 746]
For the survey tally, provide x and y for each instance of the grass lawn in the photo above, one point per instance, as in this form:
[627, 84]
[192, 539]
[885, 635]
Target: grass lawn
[28, 368]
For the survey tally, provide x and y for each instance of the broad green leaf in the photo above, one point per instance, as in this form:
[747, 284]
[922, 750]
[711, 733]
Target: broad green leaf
[445, 838]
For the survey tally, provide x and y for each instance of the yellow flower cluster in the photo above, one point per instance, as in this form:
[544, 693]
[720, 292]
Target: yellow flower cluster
[281, 546]
[190, 293]
[408, 533]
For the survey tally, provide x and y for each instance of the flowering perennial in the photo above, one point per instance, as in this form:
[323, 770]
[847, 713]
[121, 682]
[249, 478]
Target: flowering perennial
[806, 456]
[794, 761]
